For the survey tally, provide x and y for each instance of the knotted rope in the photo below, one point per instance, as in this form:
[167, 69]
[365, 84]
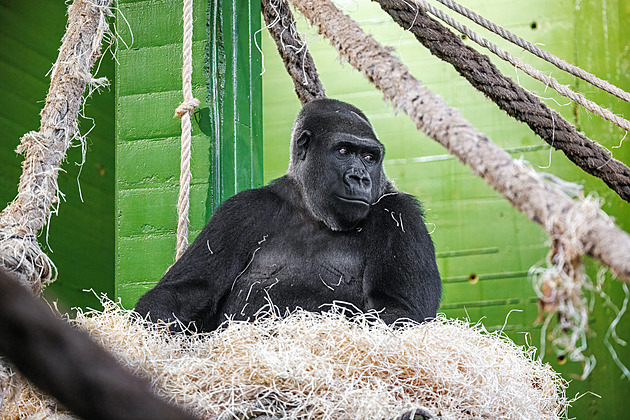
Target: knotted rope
[509, 96]
[522, 186]
[293, 50]
[45, 149]
[183, 112]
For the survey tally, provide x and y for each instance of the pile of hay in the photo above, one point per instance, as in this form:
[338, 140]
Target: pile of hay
[20, 400]
[323, 366]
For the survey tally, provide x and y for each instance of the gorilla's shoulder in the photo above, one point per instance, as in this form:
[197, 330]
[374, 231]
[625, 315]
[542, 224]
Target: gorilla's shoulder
[278, 193]
[399, 201]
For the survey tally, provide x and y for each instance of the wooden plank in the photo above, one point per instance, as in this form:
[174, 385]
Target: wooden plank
[158, 78]
[236, 120]
[138, 216]
[156, 162]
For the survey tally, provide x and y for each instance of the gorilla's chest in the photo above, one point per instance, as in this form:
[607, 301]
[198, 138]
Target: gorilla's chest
[306, 270]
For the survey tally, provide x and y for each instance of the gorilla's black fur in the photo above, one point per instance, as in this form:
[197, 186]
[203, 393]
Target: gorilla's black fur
[333, 229]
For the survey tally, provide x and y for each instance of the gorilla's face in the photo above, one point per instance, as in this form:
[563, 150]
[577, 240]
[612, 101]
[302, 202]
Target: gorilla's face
[348, 178]
[338, 162]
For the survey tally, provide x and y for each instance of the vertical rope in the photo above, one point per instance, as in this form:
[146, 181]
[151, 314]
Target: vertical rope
[183, 112]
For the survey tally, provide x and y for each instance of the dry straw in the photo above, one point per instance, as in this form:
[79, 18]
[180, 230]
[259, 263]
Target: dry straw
[323, 366]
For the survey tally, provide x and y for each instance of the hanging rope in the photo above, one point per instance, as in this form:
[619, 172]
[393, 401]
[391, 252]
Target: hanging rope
[556, 61]
[509, 96]
[522, 186]
[45, 150]
[184, 112]
[293, 50]
[531, 71]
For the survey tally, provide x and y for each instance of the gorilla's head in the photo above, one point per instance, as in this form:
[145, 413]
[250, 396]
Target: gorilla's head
[337, 160]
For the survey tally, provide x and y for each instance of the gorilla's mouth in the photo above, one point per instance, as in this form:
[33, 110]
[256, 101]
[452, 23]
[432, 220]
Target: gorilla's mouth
[354, 200]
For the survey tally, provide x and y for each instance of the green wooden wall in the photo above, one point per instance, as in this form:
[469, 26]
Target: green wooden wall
[477, 233]
[226, 137]
[80, 240]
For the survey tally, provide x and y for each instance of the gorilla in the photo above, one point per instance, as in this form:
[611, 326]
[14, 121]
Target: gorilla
[334, 229]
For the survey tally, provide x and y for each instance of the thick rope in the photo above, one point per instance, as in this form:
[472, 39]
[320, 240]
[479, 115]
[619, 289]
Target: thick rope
[556, 61]
[522, 186]
[46, 149]
[183, 112]
[512, 98]
[533, 72]
[293, 50]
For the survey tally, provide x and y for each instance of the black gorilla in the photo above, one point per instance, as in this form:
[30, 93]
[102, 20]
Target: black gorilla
[333, 229]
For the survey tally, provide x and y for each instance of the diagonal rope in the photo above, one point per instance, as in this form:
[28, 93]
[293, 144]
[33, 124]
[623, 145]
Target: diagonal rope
[293, 50]
[523, 187]
[183, 112]
[533, 72]
[509, 96]
[45, 150]
[556, 61]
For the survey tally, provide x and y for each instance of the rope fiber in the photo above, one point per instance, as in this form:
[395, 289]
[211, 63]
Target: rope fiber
[45, 150]
[293, 50]
[549, 81]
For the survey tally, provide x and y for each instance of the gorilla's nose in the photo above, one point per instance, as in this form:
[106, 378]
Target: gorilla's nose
[357, 178]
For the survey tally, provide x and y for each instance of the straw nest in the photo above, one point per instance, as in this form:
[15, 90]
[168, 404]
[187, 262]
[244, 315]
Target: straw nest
[323, 366]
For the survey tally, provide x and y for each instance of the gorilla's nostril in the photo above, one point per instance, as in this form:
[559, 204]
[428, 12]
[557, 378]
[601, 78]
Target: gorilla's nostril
[354, 177]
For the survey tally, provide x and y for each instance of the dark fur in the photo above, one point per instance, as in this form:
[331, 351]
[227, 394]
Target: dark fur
[66, 363]
[295, 243]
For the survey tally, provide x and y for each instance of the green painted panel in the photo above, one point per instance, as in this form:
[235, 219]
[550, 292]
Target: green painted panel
[157, 162]
[157, 78]
[151, 115]
[156, 23]
[140, 205]
[80, 238]
[475, 230]
[226, 129]
[237, 95]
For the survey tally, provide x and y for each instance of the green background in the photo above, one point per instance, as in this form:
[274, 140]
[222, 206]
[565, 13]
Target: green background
[121, 237]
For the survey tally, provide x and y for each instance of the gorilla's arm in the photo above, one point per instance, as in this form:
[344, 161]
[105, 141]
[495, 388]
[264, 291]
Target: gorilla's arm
[193, 287]
[401, 273]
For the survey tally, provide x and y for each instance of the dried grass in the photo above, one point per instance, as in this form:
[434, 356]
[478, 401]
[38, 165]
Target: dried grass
[21, 400]
[323, 366]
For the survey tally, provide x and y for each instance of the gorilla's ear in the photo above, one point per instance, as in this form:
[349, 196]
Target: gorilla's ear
[302, 144]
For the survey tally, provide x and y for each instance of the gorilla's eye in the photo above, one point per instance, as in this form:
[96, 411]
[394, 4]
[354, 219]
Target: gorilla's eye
[343, 151]
[369, 158]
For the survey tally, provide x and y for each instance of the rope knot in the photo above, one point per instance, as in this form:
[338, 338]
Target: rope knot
[187, 107]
